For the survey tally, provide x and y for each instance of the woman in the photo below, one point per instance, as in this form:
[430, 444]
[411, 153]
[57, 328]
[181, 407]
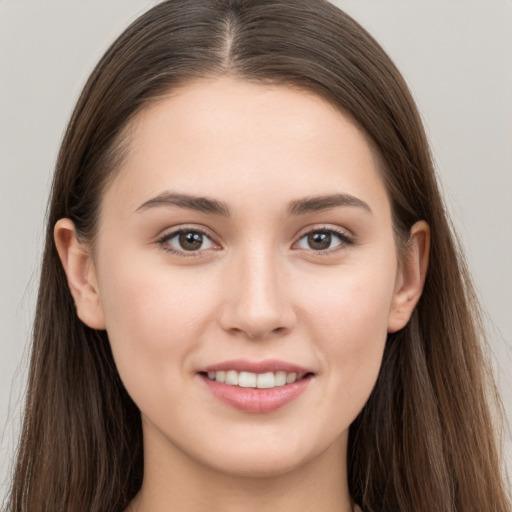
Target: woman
[250, 293]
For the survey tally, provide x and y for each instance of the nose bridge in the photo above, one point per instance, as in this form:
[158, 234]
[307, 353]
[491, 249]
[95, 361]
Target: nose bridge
[256, 302]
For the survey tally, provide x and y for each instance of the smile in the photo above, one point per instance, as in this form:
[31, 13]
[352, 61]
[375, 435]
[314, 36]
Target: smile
[256, 387]
[267, 380]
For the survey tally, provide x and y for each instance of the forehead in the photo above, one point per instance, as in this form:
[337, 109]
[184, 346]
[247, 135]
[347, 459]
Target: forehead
[225, 137]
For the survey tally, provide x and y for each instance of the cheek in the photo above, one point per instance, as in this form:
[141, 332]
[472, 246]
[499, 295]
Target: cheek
[348, 318]
[152, 324]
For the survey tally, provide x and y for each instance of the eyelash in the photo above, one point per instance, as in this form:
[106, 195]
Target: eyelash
[345, 241]
[163, 241]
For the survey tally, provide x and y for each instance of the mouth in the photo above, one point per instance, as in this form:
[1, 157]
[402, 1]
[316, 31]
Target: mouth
[267, 380]
[256, 387]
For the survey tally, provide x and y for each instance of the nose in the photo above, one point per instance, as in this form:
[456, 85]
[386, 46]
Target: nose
[256, 304]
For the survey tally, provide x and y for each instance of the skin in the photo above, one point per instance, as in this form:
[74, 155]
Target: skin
[255, 290]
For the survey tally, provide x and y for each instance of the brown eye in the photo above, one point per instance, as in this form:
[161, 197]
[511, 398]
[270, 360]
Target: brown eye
[186, 241]
[323, 240]
[319, 241]
[191, 241]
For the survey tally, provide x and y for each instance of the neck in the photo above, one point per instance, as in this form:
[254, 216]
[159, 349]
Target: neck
[174, 481]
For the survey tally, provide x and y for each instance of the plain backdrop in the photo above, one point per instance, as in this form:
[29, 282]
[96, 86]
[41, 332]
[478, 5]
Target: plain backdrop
[455, 55]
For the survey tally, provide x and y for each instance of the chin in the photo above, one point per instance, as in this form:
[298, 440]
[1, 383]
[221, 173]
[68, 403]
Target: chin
[266, 455]
[257, 465]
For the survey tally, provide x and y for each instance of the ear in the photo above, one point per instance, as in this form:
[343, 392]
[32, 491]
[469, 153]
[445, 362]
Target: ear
[410, 277]
[79, 268]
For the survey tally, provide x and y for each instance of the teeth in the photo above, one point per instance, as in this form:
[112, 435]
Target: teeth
[232, 378]
[246, 380]
[266, 380]
[290, 378]
[280, 379]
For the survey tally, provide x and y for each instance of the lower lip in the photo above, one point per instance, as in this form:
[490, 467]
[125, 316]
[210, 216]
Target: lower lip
[257, 400]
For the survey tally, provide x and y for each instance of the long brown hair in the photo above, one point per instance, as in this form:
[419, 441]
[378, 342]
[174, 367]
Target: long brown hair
[425, 440]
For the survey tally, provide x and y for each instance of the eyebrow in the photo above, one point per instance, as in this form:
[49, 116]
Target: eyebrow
[327, 202]
[200, 204]
[215, 207]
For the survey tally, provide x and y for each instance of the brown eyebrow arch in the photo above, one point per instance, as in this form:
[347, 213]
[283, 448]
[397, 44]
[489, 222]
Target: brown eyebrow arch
[318, 203]
[200, 204]
[215, 207]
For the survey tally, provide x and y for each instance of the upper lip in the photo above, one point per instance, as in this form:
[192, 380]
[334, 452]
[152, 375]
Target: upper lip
[244, 365]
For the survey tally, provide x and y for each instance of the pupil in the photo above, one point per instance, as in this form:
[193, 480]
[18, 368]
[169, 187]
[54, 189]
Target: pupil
[191, 241]
[319, 241]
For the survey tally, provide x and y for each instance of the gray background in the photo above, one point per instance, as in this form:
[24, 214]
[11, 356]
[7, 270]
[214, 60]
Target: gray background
[456, 57]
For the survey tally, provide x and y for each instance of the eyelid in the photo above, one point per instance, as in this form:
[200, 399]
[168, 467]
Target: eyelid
[344, 235]
[170, 233]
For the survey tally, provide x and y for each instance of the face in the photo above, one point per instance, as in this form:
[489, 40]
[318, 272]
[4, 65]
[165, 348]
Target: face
[246, 238]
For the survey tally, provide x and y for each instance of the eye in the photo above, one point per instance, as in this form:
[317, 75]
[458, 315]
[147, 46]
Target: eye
[323, 240]
[186, 240]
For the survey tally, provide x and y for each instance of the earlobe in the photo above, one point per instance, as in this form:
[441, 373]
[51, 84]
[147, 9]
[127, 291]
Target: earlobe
[77, 262]
[411, 277]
